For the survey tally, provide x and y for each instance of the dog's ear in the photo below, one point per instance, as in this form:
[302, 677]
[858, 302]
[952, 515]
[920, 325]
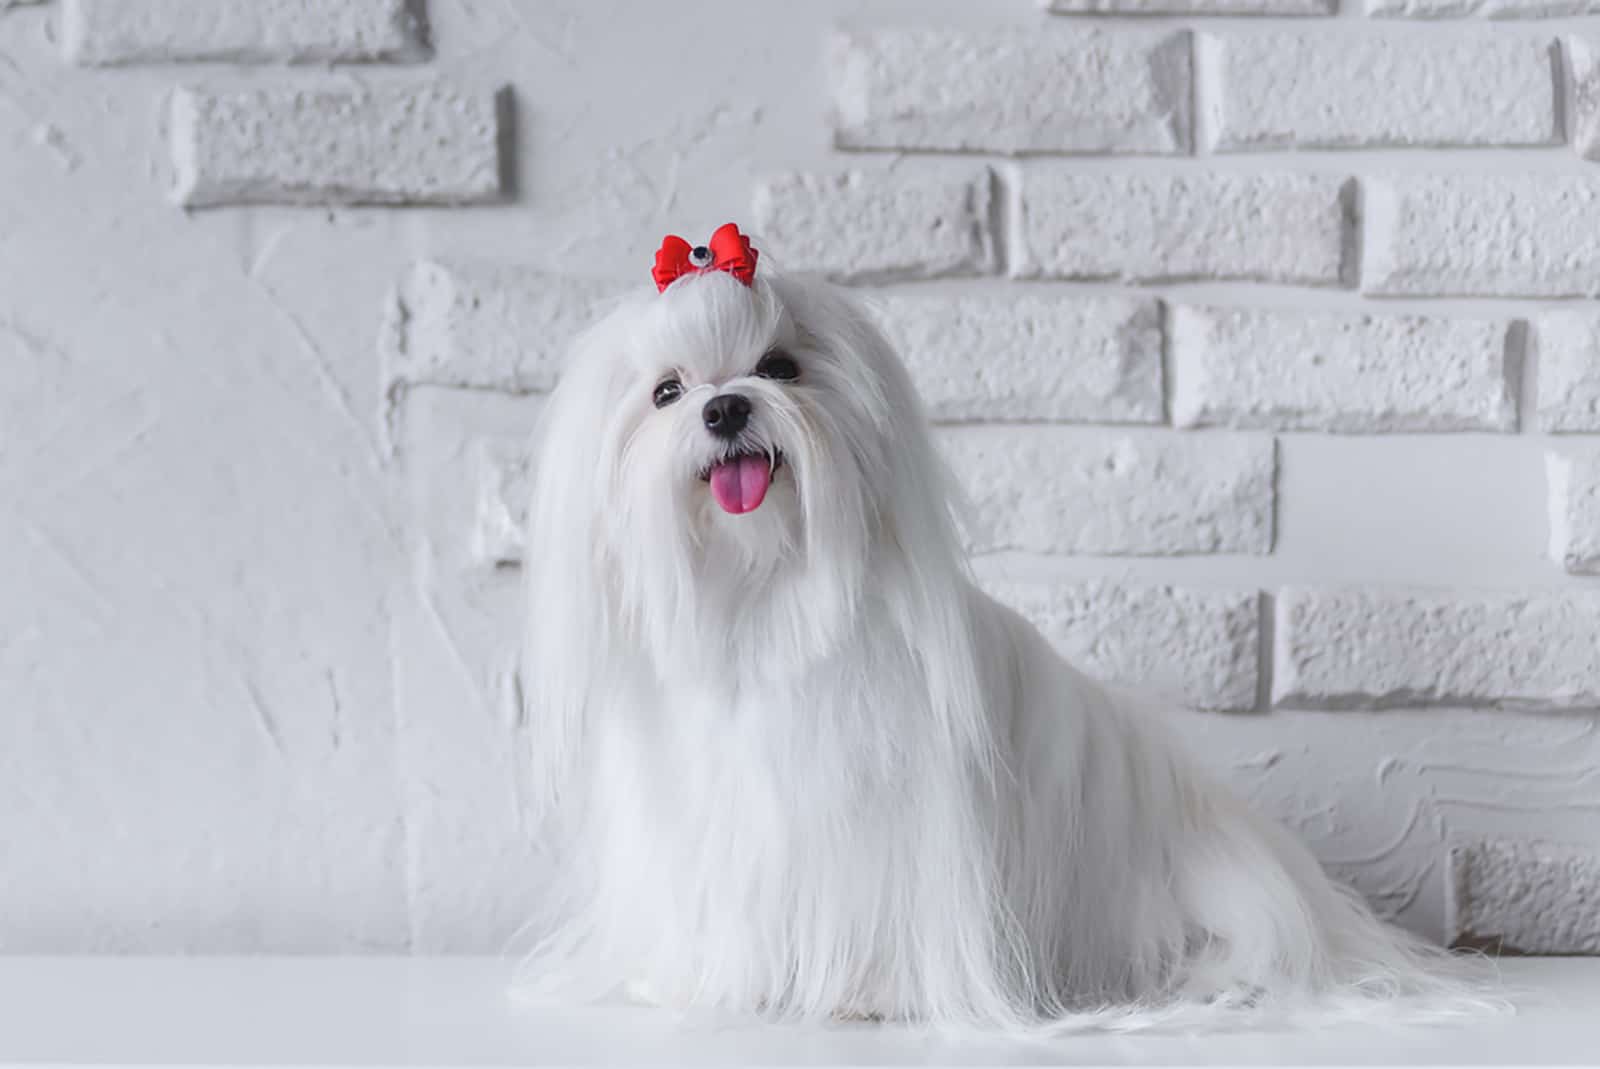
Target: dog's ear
[568, 600]
[915, 493]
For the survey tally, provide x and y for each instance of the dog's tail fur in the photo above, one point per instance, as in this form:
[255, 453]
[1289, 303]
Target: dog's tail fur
[1275, 943]
[1141, 893]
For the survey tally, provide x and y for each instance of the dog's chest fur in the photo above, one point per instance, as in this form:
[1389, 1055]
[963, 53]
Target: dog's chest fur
[779, 833]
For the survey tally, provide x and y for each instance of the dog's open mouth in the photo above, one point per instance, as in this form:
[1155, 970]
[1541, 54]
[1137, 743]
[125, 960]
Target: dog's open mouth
[740, 482]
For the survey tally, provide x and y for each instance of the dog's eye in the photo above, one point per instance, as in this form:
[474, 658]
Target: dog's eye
[778, 365]
[666, 392]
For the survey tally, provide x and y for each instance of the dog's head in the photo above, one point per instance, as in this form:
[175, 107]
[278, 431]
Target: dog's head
[731, 457]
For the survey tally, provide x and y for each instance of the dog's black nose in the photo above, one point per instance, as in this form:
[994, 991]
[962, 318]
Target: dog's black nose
[726, 414]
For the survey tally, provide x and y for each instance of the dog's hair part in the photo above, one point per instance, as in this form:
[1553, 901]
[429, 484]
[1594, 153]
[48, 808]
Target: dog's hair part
[794, 761]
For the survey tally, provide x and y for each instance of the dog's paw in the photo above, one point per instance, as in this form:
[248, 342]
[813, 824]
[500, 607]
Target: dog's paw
[854, 1016]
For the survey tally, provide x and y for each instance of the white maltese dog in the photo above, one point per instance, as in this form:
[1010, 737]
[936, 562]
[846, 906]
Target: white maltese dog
[799, 763]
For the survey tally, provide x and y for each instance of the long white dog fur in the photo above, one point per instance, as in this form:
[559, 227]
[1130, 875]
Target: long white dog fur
[798, 764]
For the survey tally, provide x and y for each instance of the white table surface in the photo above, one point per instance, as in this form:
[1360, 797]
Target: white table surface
[454, 1012]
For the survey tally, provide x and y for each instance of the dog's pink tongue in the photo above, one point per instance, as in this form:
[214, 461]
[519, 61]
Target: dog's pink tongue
[740, 485]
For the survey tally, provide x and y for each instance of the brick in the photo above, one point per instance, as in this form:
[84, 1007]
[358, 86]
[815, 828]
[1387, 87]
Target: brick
[489, 326]
[1574, 482]
[1198, 648]
[1494, 9]
[1115, 493]
[1194, 7]
[1015, 91]
[1567, 347]
[1583, 95]
[1525, 896]
[1293, 371]
[1384, 648]
[1322, 90]
[1273, 228]
[859, 226]
[1092, 360]
[422, 143]
[504, 475]
[460, 729]
[116, 32]
[1483, 236]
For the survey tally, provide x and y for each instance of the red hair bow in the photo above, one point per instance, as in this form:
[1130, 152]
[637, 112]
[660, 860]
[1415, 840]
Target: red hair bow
[728, 250]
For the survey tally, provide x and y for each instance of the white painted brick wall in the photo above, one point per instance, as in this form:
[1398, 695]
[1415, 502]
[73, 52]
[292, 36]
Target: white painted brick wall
[1583, 95]
[1383, 647]
[289, 554]
[1194, 7]
[1325, 89]
[504, 474]
[114, 32]
[1244, 368]
[489, 326]
[1198, 648]
[1268, 228]
[1073, 359]
[1566, 347]
[418, 143]
[462, 742]
[1113, 493]
[1490, 236]
[1524, 895]
[1573, 472]
[860, 225]
[1078, 90]
[1494, 9]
